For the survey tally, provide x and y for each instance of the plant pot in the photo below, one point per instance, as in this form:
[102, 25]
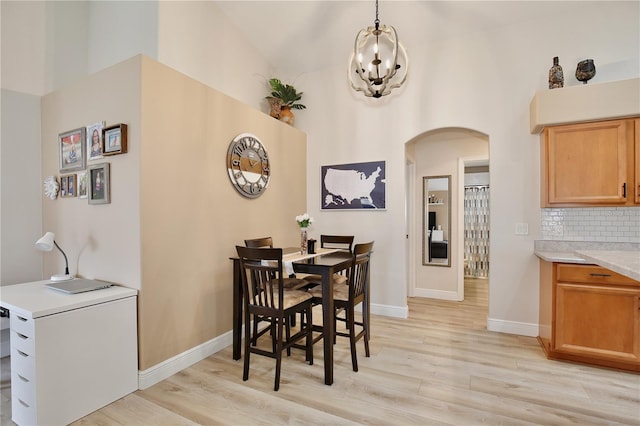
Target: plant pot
[275, 107]
[286, 115]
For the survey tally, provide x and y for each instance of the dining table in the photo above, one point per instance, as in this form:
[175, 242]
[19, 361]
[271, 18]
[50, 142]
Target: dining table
[325, 262]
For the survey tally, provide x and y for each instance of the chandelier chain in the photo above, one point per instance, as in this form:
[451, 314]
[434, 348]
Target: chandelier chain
[377, 21]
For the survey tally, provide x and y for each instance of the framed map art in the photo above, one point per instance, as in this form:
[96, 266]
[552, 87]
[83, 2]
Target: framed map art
[354, 186]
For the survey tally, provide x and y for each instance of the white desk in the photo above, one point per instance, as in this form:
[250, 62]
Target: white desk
[71, 354]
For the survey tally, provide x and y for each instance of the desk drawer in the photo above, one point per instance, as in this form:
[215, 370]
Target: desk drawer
[23, 388]
[591, 274]
[22, 325]
[23, 363]
[22, 342]
[22, 413]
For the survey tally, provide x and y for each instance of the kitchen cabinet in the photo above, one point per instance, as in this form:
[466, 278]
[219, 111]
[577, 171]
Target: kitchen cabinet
[71, 354]
[589, 314]
[590, 164]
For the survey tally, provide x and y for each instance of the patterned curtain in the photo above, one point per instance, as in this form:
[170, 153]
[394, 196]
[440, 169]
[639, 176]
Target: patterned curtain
[476, 231]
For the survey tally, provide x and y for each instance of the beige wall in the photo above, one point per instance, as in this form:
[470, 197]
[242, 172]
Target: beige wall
[174, 218]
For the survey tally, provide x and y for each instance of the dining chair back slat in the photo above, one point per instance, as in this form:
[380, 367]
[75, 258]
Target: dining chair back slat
[344, 242]
[264, 242]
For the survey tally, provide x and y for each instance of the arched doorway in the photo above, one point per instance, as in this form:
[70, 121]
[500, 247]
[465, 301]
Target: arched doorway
[438, 153]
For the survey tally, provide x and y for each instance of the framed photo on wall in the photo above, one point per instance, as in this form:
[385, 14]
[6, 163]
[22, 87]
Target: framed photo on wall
[94, 141]
[71, 147]
[82, 185]
[69, 186]
[354, 186]
[99, 191]
[114, 139]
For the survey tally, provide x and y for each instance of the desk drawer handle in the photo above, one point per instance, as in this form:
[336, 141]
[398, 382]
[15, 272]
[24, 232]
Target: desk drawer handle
[22, 336]
[600, 275]
[24, 379]
[23, 403]
[22, 353]
[21, 318]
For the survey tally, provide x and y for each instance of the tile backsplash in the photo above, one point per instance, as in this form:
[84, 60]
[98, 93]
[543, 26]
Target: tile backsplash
[608, 224]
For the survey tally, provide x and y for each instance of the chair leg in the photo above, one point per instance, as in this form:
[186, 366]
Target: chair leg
[309, 326]
[254, 338]
[280, 327]
[247, 347]
[287, 328]
[365, 326]
[352, 337]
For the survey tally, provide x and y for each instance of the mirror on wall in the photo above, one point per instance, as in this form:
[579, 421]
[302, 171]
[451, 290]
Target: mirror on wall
[436, 220]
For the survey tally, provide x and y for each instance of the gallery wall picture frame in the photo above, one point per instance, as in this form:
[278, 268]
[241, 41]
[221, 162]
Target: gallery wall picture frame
[354, 186]
[82, 185]
[69, 186]
[72, 150]
[114, 140]
[94, 141]
[99, 183]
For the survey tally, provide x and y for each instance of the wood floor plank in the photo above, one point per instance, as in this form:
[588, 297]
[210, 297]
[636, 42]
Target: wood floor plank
[440, 366]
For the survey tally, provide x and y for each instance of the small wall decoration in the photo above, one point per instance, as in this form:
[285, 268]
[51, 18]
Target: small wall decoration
[72, 150]
[354, 186]
[69, 186]
[82, 185]
[94, 141]
[51, 187]
[99, 184]
[114, 139]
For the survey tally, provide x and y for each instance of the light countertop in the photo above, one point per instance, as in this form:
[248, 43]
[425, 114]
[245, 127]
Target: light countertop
[34, 300]
[626, 263]
[623, 258]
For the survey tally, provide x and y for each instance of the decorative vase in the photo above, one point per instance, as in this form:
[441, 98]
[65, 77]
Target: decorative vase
[303, 240]
[556, 76]
[275, 107]
[586, 70]
[286, 115]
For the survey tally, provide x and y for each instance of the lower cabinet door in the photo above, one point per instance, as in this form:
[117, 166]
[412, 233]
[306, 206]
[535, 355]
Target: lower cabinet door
[598, 321]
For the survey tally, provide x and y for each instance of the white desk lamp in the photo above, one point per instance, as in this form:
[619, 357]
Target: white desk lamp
[46, 243]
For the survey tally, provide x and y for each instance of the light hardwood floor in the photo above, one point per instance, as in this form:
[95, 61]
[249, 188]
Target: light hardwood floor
[440, 366]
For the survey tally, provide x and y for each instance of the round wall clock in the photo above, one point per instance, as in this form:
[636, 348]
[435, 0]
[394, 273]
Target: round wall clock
[248, 165]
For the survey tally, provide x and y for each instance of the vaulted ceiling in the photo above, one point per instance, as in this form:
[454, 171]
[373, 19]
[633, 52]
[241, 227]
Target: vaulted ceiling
[307, 35]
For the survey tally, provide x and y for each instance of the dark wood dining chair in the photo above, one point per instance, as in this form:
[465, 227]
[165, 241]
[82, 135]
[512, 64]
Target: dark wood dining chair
[347, 296]
[264, 296]
[290, 283]
[343, 242]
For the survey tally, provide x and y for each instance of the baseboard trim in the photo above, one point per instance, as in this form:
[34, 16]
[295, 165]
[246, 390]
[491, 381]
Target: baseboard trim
[390, 311]
[171, 366]
[512, 327]
[436, 294]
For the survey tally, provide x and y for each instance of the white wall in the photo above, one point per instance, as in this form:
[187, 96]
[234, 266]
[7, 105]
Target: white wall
[21, 190]
[484, 82]
[119, 30]
[196, 39]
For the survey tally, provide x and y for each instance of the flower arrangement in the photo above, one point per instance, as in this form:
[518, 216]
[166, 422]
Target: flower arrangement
[304, 220]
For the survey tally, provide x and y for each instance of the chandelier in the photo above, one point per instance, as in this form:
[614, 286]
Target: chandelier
[379, 62]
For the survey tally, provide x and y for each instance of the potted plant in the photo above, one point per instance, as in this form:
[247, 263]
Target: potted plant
[283, 99]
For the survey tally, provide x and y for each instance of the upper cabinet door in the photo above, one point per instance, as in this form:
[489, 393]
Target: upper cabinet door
[588, 163]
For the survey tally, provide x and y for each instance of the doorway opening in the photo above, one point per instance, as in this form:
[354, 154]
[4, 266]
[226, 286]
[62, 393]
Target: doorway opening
[437, 153]
[476, 221]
